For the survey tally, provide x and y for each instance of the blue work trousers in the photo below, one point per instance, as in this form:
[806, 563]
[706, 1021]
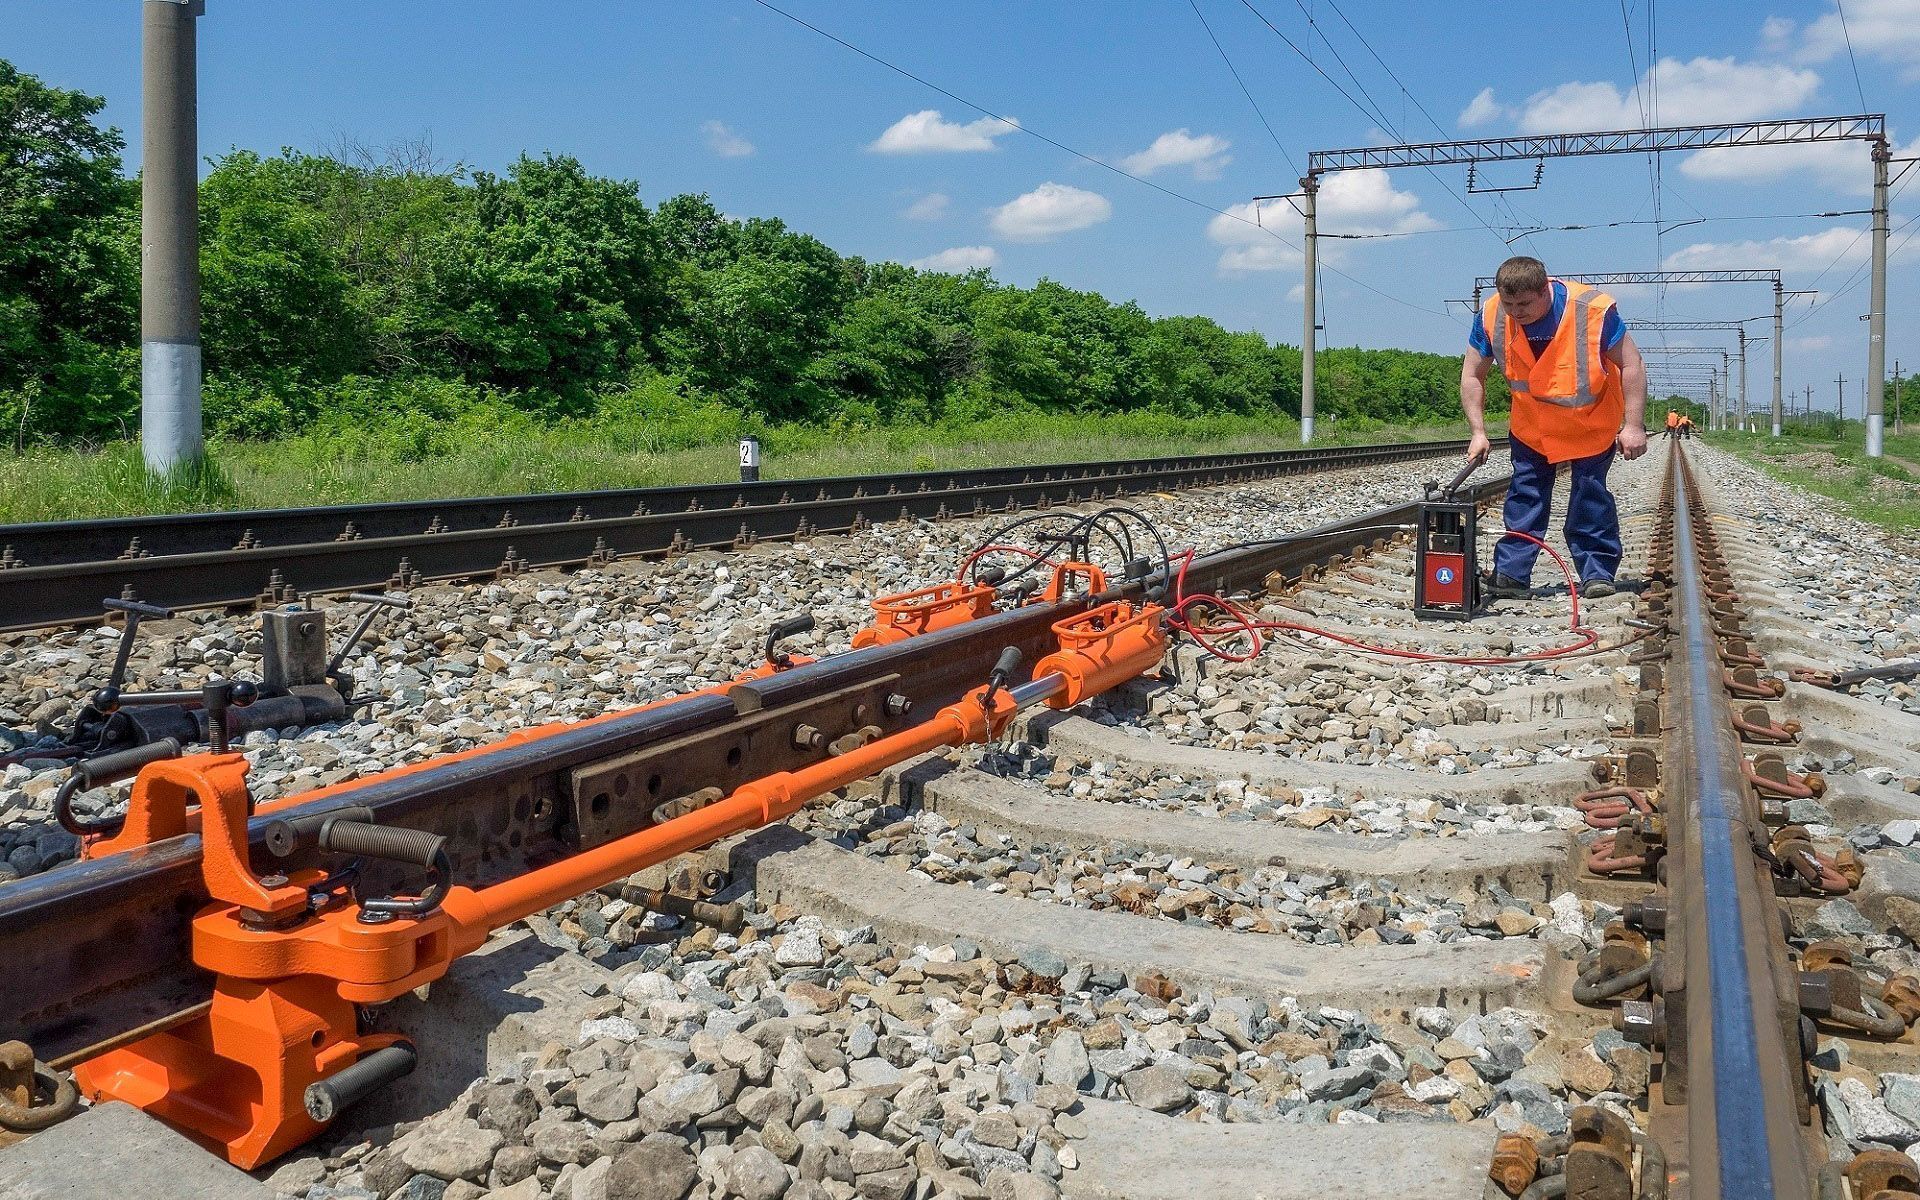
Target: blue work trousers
[1593, 523]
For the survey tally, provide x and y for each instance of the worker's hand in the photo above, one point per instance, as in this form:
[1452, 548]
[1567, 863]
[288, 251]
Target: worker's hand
[1478, 447]
[1632, 442]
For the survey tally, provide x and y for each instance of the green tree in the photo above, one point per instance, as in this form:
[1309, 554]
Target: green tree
[549, 282]
[275, 296]
[68, 265]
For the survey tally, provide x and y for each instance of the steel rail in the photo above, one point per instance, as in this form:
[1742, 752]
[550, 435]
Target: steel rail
[52, 543]
[107, 940]
[194, 574]
[1741, 1073]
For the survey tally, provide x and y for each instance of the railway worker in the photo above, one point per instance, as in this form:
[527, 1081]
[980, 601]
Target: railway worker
[1579, 397]
[1686, 426]
[1673, 422]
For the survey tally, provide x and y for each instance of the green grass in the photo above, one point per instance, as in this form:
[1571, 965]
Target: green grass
[1830, 458]
[524, 456]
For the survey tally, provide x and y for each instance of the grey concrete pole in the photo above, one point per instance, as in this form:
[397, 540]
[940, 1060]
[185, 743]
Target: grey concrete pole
[1877, 310]
[1727, 388]
[1746, 424]
[1779, 316]
[170, 432]
[1310, 190]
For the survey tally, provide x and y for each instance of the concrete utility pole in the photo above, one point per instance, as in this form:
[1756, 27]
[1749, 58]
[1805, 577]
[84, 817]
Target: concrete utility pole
[1780, 297]
[170, 430]
[1806, 406]
[1309, 346]
[1744, 410]
[1877, 310]
[1898, 424]
[1840, 387]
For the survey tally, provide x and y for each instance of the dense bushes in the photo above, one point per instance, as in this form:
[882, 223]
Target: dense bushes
[396, 300]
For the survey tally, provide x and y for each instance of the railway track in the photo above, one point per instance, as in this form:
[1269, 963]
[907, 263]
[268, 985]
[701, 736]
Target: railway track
[1307, 925]
[58, 572]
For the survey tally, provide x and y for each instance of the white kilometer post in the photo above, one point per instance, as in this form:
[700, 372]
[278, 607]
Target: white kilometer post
[749, 460]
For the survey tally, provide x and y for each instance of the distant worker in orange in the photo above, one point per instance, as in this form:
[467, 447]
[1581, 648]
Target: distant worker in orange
[1579, 396]
[1673, 422]
[1686, 426]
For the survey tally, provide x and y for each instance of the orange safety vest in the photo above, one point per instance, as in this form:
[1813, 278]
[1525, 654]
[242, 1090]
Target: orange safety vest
[1673, 418]
[1568, 402]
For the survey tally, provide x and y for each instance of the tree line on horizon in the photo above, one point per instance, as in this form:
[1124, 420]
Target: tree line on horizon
[369, 286]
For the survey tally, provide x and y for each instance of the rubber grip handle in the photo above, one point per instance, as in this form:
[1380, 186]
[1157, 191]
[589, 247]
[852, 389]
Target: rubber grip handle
[1008, 663]
[325, 1099]
[125, 764]
[288, 834]
[390, 599]
[392, 843]
[790, 626]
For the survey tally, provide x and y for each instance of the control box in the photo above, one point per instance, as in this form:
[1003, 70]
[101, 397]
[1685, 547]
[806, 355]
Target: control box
[1446, 568]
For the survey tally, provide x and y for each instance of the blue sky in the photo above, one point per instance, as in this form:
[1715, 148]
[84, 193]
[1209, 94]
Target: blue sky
[770, 118]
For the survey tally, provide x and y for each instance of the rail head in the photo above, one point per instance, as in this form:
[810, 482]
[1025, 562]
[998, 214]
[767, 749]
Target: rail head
[1745, 1088]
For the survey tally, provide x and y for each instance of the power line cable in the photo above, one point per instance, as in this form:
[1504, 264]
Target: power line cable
[1841, 8]
[1244, 89]
[1500, 201]
[1079, 154]
[1375, 112]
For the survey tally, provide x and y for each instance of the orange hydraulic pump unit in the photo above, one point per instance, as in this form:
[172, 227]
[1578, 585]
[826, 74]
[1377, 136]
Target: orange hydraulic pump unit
[279, 1050]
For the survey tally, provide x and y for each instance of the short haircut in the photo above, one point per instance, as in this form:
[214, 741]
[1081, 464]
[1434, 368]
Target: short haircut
[1520, 276]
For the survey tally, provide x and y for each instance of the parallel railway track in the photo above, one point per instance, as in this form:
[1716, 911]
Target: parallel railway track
[58, 572]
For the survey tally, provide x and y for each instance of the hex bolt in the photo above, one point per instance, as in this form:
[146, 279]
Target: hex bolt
[898, 705]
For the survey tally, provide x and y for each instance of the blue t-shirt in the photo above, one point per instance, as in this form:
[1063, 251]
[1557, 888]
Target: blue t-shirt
[1540, 332]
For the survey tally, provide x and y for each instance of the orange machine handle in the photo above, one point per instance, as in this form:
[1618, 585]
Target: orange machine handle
[923, 610]
[752, 805]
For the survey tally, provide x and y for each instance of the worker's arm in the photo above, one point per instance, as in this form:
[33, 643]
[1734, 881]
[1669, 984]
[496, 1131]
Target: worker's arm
[1473, 402]
[1633, 386]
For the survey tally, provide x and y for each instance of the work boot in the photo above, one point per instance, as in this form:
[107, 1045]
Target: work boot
[1498, 585]
[1596, 588]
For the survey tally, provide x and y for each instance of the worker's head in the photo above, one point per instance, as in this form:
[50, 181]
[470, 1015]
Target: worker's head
[1522, 284]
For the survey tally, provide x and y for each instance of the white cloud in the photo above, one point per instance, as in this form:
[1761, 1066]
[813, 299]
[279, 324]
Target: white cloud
[1887, 30]
[1481, 110]
[927, 132]
[930, 207]
[1049, 211]
[724, 141]
[1367, 202]
[959, 259]
[1813, 251]
[1206, 154]
[1818, 341]
[1698, 91]
[1242, 230]
[1362, 202]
